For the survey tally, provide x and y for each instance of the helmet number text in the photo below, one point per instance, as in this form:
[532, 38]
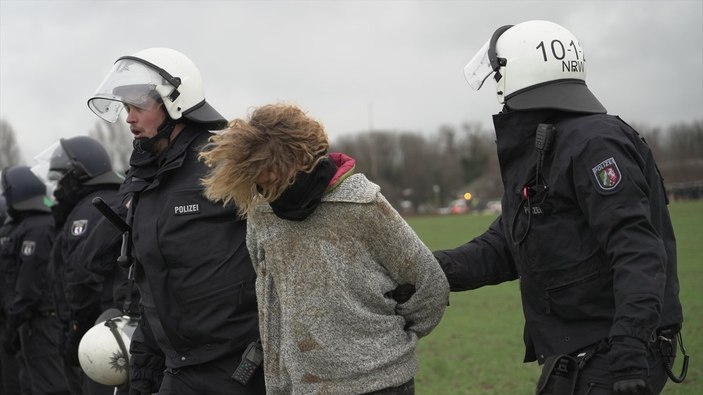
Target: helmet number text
[558, 50]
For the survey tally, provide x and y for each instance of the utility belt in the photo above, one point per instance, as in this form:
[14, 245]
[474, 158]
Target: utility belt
[560, 372]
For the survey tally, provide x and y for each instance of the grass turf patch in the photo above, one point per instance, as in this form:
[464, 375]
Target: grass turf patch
[478, 348]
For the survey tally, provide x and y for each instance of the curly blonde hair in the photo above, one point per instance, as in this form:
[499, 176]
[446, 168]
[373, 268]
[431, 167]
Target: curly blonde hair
[277, 142]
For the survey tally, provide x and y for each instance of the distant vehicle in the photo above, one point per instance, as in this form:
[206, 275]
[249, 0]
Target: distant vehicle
[458, 206]
[493, 206]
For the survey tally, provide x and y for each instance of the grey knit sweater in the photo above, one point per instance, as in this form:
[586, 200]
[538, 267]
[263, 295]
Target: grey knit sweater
[327, 323]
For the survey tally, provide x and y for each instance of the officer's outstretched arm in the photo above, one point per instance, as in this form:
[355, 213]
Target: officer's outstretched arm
[485, 260]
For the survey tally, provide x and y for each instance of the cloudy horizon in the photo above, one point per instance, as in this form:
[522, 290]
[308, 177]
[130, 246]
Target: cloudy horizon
[354, 65]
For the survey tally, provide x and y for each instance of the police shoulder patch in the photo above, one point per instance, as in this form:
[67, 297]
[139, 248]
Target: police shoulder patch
[28, 247]
[79, 227]
[607, 174]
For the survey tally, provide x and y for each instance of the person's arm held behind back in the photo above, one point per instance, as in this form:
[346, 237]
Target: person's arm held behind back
[409, 261]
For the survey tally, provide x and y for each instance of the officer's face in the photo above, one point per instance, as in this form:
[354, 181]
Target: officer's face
[145, 120]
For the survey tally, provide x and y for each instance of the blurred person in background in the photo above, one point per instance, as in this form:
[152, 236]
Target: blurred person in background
[33, 329]
[584, 225]
[9, 369]
[191, 263]
[345, 287]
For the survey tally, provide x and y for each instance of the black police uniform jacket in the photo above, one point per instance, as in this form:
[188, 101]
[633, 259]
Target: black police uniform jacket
[81, 294]
[598, 258]
[193, 269]
[25, 254]
[7, 278]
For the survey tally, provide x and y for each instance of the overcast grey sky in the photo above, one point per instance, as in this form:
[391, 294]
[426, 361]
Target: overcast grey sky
[351, 64]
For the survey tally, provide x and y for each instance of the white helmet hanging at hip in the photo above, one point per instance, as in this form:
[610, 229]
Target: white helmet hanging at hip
[103, 352]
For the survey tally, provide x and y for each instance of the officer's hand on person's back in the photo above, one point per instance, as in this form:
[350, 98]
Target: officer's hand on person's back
[403, 293]
[11, 341]
[632, 387]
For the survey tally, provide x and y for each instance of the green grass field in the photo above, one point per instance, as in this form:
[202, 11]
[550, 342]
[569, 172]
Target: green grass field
[478, 349]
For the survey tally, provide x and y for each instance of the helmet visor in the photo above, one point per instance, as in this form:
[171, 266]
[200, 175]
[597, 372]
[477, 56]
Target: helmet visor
[479, 68]
[129, 82]
[52, 163]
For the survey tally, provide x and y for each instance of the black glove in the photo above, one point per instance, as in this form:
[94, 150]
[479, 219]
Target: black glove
[145, 373]
[629, 366]
[76, 330]
[11, 341]
[632, 387]
[403, 293]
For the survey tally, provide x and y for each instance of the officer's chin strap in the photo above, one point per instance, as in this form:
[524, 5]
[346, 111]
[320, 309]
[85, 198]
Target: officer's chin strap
[123, 347]
[164, 131]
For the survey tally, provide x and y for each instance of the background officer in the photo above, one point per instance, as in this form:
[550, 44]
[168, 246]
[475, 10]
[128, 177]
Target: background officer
[192, 266]
[9, 370]
[32, 325]
[81, 168]
[584, 226]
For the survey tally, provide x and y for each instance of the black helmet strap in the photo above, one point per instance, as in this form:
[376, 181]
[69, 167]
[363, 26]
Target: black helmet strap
[164, 131]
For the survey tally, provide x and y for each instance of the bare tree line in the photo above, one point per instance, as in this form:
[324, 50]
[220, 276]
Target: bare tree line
[421, 172]
[10, 153]
[424, 173]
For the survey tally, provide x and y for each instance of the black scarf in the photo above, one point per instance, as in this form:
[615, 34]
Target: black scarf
[301, 199]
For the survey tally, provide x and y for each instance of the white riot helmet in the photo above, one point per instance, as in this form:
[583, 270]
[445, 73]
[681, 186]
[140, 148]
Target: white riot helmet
[159, 73]
[537, 65]
[104, 350]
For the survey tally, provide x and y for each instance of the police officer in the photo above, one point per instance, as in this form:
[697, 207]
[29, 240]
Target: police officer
[33, 327]
[192, 266]
[584, 225]
[3, 211]
[81, 168]
[9, 369]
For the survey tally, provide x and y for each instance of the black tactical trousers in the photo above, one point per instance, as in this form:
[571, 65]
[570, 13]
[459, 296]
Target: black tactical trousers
[40, 350]
[10, 376]
[407, 388]
[214, 378]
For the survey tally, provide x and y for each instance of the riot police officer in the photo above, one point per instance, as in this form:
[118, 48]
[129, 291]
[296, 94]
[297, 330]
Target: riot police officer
[192, 266]
[81, 168]
[584, 225]
[33, 327]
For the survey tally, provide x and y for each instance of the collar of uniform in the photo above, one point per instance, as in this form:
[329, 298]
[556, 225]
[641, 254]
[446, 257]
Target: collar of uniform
[515, 132]
[177, 150]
